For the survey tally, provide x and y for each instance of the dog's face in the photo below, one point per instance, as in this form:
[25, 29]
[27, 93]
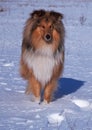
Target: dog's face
[46, 30]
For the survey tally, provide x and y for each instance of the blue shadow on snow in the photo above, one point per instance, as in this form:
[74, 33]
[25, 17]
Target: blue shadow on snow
[67, 86]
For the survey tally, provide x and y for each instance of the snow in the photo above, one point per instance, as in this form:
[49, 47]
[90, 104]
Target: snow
[55, 119]
[71, 108]
[81, 103]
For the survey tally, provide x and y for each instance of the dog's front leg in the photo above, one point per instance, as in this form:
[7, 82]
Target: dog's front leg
[49, 88]
[34, 87]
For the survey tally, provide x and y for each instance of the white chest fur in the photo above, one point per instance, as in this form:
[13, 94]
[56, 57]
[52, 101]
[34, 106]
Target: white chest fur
[42, 64]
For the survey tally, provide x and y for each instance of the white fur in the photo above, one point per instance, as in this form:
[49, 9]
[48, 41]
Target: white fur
[42, 63]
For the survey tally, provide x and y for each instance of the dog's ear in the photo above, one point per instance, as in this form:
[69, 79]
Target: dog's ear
[38, 13]
[56, 15]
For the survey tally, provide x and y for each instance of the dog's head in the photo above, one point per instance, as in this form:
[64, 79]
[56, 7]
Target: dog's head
[44, 28]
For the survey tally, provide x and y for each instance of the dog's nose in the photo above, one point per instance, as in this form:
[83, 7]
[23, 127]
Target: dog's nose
[47, 37]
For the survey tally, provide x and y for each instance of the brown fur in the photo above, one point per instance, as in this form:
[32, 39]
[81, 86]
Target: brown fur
[44, 29]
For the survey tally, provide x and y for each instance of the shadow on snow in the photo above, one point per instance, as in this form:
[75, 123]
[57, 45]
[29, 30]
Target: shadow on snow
[67, 86]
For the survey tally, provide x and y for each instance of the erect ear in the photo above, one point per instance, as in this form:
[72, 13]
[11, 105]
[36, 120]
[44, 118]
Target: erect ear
[38, 13]
[56, 15]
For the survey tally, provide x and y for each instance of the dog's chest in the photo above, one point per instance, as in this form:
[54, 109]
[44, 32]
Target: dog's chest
[42, 67]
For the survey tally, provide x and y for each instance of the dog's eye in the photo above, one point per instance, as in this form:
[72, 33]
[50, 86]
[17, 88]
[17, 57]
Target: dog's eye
[43, 27]
[51, 27]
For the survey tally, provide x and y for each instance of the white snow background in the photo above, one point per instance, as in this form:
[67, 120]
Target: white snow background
[72, 106]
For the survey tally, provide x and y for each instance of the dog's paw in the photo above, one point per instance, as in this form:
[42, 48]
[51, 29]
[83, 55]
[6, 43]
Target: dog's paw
[36, 99]
[28, 90]
[45, 102]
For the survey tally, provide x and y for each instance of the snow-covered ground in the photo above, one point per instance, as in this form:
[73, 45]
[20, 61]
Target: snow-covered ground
[72, 107]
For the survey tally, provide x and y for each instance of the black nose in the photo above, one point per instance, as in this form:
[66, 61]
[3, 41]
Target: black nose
[47, 37]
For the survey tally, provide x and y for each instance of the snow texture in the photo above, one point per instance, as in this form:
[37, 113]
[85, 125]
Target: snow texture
[72, 105]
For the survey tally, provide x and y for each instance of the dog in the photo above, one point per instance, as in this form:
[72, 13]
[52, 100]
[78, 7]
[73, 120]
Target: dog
[42, 53]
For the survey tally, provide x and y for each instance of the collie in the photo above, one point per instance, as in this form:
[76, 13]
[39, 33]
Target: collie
[42, 56]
